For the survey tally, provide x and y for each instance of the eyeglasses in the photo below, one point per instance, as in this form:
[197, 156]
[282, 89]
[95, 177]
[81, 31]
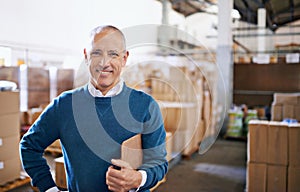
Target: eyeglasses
[112, 54]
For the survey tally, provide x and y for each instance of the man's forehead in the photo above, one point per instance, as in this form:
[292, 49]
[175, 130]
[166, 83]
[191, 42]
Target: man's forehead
[108, 35]
[95, 48]
[107, 46]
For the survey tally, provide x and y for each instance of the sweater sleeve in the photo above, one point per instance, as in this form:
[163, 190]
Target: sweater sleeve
[40, 135]
[154, 148]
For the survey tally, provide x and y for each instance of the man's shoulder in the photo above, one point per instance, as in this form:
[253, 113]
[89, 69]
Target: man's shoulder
[139, 94]
[68, 94]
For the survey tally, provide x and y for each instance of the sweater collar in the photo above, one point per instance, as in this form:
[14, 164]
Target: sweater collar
[112, 92]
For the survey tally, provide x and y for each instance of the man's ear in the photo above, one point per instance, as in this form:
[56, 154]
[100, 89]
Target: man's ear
[85, 56]
[125, 57]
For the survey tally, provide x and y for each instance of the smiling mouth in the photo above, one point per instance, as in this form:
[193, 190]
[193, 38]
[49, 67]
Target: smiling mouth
[103, 72]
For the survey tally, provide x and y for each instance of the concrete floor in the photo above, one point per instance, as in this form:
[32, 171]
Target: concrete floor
[221, 169]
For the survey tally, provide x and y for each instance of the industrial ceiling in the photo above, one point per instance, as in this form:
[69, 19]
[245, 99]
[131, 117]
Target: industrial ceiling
[279, 12]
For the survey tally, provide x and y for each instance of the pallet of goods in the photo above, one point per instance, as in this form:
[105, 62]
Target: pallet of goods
[273, 156]
[10, 165]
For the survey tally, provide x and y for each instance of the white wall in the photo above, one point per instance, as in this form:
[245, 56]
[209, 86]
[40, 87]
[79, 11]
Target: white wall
[58, 29]
[65, 24]
[62, 26]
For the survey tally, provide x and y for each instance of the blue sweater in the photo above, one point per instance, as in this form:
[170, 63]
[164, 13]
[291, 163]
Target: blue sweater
[91, 131]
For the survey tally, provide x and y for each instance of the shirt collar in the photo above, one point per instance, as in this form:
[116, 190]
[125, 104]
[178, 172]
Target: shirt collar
[112, 92]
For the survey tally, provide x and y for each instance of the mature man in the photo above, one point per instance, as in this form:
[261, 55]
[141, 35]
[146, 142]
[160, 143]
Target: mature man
[92, 122]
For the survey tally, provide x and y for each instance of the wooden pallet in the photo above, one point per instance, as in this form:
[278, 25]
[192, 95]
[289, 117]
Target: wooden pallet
[188, 156]
[54, 151]
[235, 138]
[14, 184]
[159, 183]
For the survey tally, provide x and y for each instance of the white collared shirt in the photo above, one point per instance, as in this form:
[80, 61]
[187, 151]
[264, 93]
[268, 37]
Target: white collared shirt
[112, 92]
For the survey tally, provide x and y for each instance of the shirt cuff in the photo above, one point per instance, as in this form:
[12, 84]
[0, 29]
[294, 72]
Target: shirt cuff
[144, 179]
[53, 189]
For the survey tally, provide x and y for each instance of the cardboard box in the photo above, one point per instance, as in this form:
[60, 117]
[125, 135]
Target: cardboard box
[179, 116]
[65, 80]
[293, 179]
[191, 144]
[294, 145]
[178, 140]
[206, 106]
[9, 102]
[38, 78]
[286, 98]
[288, 112]
[169, 146]
[172, 119]
[188, 117]
[9, 170]
[10, 74]
[56, 144]
[201, 130]
[257, 141]
[24, 118]
[131, 151]
[277, 143]
[9, 124]
[276, 178]
[9, 147]
[38, 97]
[297, 112]
[34, 114]
[60, 174]
[261, 112]
[276, 112]
[256, 177]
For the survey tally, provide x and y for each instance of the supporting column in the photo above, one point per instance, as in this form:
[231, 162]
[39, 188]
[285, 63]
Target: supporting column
[163, 30]
[223, 95]
[261, 22]
[165, 13]
[224, 56]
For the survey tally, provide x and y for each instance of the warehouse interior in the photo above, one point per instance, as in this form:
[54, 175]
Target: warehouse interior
[225, 73]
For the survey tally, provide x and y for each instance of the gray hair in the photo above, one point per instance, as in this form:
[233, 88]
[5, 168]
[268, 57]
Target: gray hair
[104, 28]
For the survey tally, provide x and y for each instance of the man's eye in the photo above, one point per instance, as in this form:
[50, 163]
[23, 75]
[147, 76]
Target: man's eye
[96, 53]
[113, 54]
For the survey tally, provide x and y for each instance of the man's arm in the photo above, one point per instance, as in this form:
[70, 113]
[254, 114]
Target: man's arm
[154, 147]
[41, 134]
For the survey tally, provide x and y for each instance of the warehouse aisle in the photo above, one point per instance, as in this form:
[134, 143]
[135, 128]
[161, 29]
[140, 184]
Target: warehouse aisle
[221, 169]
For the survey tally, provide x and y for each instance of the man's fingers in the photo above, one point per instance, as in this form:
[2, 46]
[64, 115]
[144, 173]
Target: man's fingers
[121, 163]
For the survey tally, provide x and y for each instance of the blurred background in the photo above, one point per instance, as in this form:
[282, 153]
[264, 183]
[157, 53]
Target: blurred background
[226, 74]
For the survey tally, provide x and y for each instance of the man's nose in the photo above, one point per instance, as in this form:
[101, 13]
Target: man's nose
[104, 61]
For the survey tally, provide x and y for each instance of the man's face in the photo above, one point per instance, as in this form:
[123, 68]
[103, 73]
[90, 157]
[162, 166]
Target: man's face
[106, 60]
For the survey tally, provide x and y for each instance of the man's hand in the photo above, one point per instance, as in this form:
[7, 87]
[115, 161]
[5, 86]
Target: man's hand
[122, 180]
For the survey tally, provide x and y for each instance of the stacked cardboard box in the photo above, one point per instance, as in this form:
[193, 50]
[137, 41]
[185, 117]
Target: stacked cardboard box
[294, 158]
[10, 74]
[273, 156]
[179, 89]
[286, 105]
[184, 122]
[10, 166]
[65, 80]
[38, 86]
[181, 99]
